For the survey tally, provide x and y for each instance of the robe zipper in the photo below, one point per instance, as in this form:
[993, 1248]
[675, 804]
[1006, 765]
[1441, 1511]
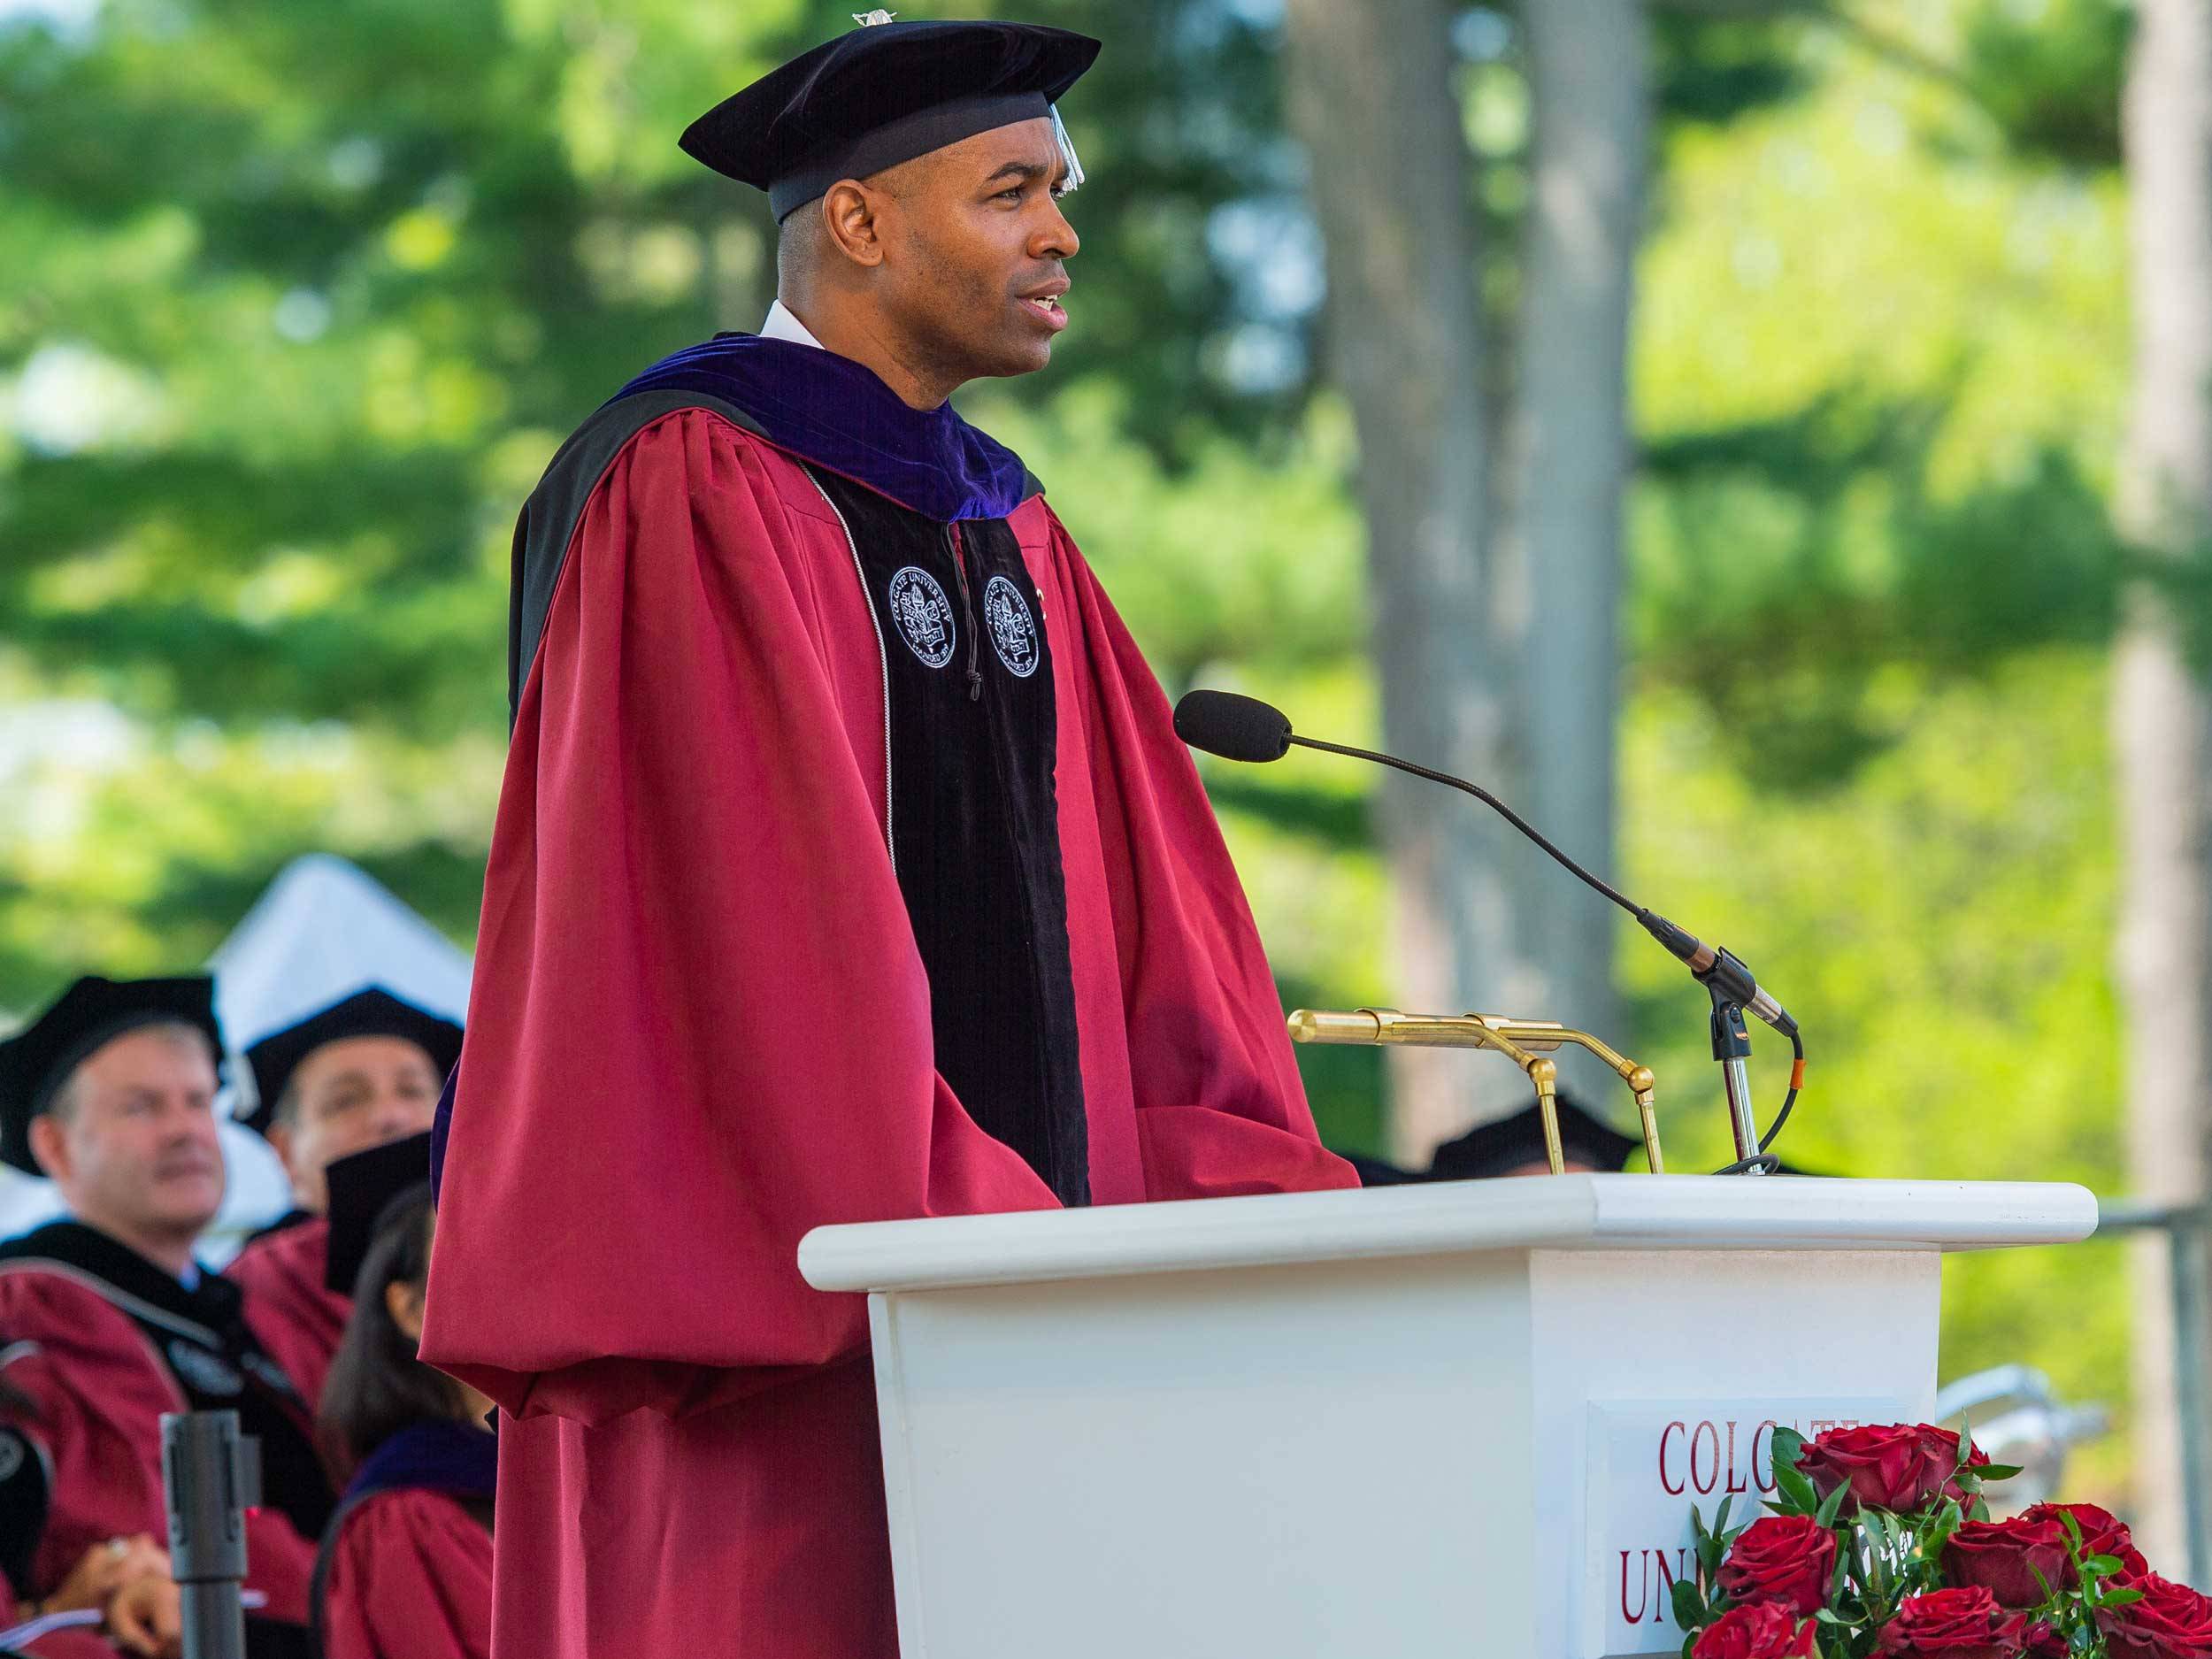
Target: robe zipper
[883, 659]
[967, 609]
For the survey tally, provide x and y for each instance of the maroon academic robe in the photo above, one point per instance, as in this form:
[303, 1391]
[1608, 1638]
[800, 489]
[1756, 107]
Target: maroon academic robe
[410, 1577]
[700, 1026]
[290, 1313]
[100, 1389]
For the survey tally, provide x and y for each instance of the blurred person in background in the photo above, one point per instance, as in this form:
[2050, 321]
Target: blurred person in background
[1515, 1146]
[110, 1092]
[362, 1071]
[124, 1579]
[406, 1565]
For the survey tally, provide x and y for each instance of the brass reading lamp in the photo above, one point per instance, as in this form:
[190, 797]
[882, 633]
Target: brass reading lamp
[1244, 728]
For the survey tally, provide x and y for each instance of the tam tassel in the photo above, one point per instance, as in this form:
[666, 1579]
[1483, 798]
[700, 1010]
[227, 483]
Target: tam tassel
[1067, 153]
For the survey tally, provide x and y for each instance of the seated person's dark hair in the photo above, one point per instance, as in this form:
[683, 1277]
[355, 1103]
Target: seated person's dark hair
[377, 1385]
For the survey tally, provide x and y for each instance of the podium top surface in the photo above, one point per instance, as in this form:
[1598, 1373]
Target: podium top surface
[1688, 1212]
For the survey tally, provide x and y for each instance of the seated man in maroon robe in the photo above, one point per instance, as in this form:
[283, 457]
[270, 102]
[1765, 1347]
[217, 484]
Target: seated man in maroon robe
[122, 1585]
[846, 868]
[359, 1073]
[111, 1093]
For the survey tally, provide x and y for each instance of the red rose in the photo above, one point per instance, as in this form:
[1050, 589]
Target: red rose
[1764, 1630]
[2170, 1622]
[2102, 1533]
[2045, 1642]
[2004, 1557]
[1896, 1466]
[1785, 1559]
[1955, 1625]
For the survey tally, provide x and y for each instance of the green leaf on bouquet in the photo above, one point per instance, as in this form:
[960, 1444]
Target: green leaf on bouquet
[2100, 1566]
[1796, 1491]
[2118, 1597]
[1720, 1517]
[1995, 1471]
[1829, 1616]
[1831, 1506]
[1689, 1606]
[1787, 1445]
[1710, 1548]
[1966, 1440]
[1945, 1523]
[1880, 1528]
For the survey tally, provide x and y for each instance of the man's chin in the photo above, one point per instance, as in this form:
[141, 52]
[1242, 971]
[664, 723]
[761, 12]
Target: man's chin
[1025, 359]
[187, 1206]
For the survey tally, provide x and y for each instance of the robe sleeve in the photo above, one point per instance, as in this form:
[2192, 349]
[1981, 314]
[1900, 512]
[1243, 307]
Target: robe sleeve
[1220, 1107]
[99, 1391]
[411, 1577]
[700, 1023]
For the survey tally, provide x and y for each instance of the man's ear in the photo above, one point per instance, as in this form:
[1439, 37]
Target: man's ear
[280, 1139]
[49, 1145]
[849, 215]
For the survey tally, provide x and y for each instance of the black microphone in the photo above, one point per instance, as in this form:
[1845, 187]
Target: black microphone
[1244, 728]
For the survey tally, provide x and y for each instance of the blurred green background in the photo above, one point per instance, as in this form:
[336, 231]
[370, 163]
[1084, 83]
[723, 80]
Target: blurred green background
[296, 300]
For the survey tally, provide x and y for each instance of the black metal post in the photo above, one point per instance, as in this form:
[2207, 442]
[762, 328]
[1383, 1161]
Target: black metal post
[210, 1473]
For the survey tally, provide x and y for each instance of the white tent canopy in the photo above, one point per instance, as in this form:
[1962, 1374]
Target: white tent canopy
[322, 930]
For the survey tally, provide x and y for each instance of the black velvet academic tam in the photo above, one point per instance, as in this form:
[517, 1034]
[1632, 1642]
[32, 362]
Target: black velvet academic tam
[92, 1012]
[881, 95]
[374, 1012]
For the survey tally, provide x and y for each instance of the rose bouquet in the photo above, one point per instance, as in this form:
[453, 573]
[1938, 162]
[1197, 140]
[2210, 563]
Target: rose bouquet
[1879, 1546]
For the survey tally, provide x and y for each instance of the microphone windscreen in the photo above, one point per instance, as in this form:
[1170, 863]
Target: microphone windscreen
[1234, 727]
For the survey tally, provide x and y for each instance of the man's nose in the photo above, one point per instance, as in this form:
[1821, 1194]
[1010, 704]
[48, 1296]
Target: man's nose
[1057, 240]
[390, 1115]
[183, 1122]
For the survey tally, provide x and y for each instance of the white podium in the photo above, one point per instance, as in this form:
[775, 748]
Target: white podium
[1461, 1420]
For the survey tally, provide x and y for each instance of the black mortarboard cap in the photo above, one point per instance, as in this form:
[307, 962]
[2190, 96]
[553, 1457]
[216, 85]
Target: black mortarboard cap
[38, 1060]
[374, 1013]
[1493, 1149]
[364, 1187]
[880, 95]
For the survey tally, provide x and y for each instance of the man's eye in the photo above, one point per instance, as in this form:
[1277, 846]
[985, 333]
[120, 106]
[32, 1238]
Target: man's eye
[1014, 195]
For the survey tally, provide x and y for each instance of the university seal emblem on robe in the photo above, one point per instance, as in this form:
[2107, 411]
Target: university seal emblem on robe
[924, 615]
[1013, 630]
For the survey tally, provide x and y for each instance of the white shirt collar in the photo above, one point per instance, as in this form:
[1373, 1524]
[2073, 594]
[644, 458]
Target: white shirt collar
[781, 325]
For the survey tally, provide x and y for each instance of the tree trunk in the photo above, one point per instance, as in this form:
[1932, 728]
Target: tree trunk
[1371, 97]
[1589, 66]
[2160, 706]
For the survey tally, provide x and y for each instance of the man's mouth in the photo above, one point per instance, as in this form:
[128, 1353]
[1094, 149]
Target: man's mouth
[1044, 304]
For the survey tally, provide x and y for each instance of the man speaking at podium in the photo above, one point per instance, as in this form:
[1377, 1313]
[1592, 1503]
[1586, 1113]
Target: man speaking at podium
[846, 868]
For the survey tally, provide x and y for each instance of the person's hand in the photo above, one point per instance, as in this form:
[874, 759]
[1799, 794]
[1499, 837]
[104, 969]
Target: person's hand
[147, 1616]
[103, 1571]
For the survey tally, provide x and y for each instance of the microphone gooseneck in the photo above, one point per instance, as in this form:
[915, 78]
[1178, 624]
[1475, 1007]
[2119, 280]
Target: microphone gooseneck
[1237, 727]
